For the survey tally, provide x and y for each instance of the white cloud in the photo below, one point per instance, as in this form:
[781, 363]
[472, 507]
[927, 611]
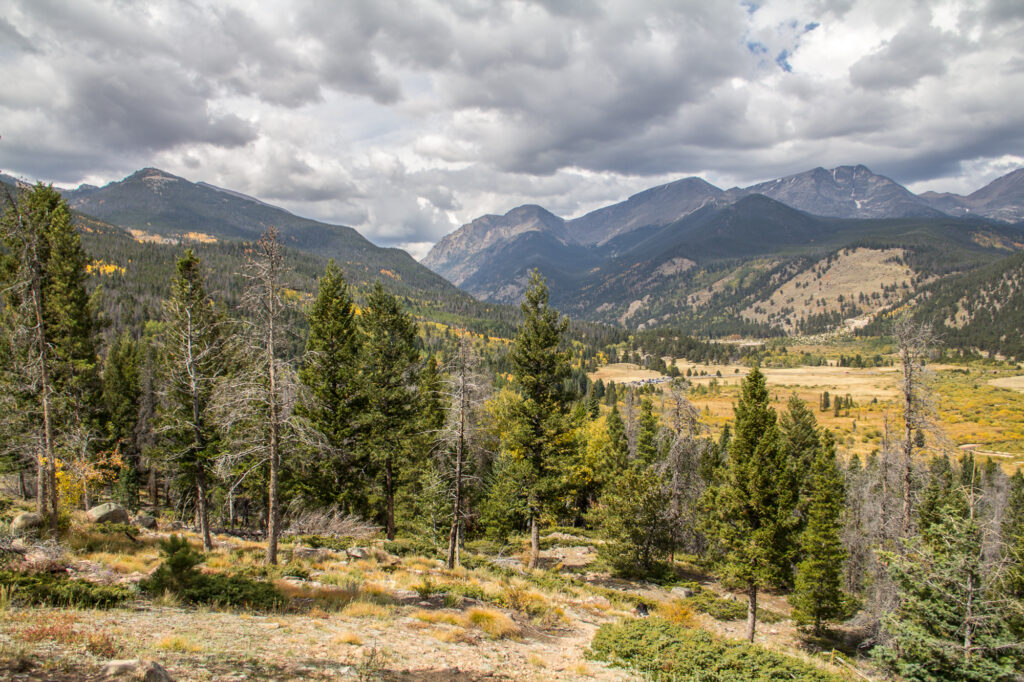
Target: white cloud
[406, 119]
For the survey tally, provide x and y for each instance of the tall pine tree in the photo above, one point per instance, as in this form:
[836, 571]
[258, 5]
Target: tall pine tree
[540, 368]
[751, 511]
[335, 403]
[391, 363]
[192, 350]
[818, 594]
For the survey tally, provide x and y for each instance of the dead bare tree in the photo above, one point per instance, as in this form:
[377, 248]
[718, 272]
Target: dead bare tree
[255, 406]
[465, 392]
[914, 341]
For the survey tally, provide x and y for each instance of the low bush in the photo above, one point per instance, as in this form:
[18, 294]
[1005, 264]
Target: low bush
[320, 541]
[178, 575]
[411, 546]
[659, 648]
[728, 609]
[39, 589]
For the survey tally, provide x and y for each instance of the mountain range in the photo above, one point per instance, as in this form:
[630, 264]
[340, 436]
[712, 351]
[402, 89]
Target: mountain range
[715, 261]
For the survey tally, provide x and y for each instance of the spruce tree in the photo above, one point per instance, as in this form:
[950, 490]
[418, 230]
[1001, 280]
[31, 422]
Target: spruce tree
[615, 457]
[801, 439]
[647, 434]
[391, 364]
[750, 512]
[952, 622]
[54, 325]
[540, 367]
[635, 518]
[1012, 583]
[817, 594]
[192, 349]
[122, 394]
[335, 403]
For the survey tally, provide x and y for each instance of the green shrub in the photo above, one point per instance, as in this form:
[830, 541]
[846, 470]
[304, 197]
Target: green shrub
[179, 576]
[728, 609]
[483, 546]
[657, 647]
[410, 546]
[320, 541]
[233, 590]
[50, 589]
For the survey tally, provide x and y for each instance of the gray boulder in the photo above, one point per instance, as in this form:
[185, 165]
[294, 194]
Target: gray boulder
[682, 592]
[145, 521]
[108, 513]
[136, 669]
[26, 521]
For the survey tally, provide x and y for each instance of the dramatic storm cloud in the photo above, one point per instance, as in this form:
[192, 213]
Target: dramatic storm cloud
[406, 118]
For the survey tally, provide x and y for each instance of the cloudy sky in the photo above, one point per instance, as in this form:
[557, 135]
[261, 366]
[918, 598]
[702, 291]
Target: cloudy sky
[407, 118]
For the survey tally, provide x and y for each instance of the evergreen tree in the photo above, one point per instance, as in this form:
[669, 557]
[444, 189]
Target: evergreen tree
[1012, 584]
[53, 325]
[192, 349]
[391, 364]
[544, 433]
[750, 512]
[801, 440]
[122, 395]
[817, 595]
[952, 623]
[937, 492]
[615, 458]
[647, 434]
[335, 403]
[635, 518]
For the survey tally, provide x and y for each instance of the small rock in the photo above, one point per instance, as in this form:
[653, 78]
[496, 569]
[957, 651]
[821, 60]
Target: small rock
[108, 513]
[683, 592]
[145, 521]
[26, 521]
[358, 552]
[136, 669]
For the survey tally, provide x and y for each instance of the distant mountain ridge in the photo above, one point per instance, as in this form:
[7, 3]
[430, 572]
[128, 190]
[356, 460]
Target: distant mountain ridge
[155, 202]
[466, 256]
[1002, 199]
[709, 259]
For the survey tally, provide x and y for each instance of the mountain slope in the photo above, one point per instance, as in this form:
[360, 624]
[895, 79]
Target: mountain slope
[463, 253]
[1002, 199]
[653, 207]
[154, 202]
[844, 192]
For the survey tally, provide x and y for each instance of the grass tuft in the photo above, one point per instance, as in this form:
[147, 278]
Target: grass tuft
[493, 622]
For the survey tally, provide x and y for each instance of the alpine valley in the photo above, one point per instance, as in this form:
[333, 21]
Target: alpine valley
[808, 253]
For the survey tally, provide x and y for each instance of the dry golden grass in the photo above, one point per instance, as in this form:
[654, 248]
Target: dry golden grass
[446, 617]
[179, 644]
[125, 563]
[623, 371]
[453, 635]
[678, 612]
[493, 622]
[581, 669]
[1012, 383]
[851, 273]
[365, 609]
[347, 637]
